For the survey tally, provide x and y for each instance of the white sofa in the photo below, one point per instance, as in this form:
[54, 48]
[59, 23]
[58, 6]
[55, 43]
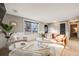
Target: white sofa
[33, 45]
[55, 49]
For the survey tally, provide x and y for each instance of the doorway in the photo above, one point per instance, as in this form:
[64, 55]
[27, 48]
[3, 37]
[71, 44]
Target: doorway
[62, 28]
[73, 31]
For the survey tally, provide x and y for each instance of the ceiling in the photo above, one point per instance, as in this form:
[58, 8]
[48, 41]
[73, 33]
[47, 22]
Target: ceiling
[45, 12]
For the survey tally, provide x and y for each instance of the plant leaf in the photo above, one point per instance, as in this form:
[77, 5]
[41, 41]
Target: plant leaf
[7, 27]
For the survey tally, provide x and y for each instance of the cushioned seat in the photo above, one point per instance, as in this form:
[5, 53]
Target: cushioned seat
[30, 51]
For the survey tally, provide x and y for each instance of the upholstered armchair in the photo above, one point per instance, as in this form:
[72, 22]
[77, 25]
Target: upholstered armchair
[60, 39]
[59, 43]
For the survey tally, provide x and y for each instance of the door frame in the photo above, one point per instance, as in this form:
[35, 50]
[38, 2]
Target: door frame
[70, 31]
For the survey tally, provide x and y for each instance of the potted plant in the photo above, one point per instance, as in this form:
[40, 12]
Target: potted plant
[43, 36]
[6, 29]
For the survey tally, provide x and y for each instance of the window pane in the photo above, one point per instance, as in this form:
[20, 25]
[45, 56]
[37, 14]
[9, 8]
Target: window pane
[34, 27]
[27, 26]
[31, 26]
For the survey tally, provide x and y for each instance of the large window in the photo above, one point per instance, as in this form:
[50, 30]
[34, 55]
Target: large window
[31, 26]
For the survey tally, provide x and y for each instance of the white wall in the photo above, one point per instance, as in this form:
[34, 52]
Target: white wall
[54, 28]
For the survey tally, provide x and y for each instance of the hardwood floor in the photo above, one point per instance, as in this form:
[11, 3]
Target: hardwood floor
[73, 49]
[4, 52]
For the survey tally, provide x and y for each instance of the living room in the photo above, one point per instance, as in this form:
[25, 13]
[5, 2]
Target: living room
[33, 21]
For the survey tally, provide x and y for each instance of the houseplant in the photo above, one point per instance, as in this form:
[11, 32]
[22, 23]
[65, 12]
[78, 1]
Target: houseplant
[6, 29]
[43, 36]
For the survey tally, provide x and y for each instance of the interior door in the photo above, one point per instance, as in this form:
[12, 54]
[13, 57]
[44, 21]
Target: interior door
[73, 30]
[62, 28]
